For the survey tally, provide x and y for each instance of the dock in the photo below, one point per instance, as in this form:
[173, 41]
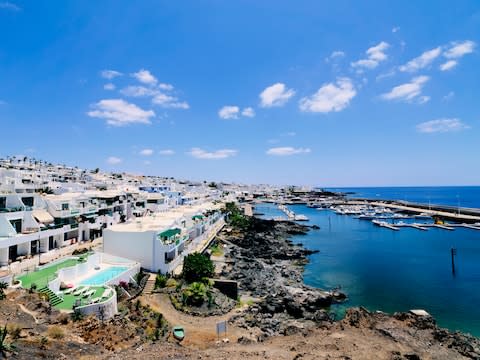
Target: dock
[415, 226]
[451, 215]
[468, 226]
[291, 215]
[385, 225]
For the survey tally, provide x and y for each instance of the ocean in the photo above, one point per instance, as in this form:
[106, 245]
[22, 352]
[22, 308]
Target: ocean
[391, 271]
[463, 196]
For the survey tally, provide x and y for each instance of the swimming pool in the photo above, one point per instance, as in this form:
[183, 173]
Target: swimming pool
[104, 275]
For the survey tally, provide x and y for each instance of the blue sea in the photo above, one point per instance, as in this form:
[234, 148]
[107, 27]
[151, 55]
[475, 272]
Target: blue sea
[394, 271]
[463, 196]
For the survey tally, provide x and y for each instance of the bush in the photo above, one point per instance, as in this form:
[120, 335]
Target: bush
[3, 287]
[195, 294]
[197, 266]
[56, 332]
[160, 281]
[171, 283]
[14, 331]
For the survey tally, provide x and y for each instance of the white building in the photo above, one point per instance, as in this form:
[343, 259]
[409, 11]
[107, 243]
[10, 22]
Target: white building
[160, 241]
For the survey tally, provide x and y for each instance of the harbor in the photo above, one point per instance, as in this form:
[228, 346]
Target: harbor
[394, 270]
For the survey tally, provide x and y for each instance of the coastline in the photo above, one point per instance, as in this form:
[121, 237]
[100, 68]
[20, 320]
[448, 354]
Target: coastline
[268, 267]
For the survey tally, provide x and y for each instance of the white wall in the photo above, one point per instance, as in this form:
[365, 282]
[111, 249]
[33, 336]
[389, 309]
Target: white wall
[137, 246]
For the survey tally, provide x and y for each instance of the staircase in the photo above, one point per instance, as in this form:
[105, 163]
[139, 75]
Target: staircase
[52, 297]
[150, 286]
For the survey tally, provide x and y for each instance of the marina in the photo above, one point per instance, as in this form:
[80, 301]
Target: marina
[394, 270]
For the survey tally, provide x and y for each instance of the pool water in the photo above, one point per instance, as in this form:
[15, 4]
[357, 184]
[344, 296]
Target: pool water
[104, 275]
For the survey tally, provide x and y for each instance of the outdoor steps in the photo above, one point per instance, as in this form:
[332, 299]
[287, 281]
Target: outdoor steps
[52, 297]
[150, 285]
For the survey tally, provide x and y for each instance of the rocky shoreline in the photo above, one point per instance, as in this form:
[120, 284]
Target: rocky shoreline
[268, 267]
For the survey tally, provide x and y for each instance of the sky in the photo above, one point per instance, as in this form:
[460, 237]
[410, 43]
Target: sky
[325, 93]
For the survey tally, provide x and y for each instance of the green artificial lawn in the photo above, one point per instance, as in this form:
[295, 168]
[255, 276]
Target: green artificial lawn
[42, 277]
[69, 300]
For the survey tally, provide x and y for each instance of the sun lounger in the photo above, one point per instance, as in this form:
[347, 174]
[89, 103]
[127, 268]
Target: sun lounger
[95, 300]
[70, 290]
[79, 291]
[89, 293]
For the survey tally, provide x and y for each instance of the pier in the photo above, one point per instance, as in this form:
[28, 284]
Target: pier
[386, 225]
[291, 215]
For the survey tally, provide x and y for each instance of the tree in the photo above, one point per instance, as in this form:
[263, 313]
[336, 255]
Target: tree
[196, 267]
[3, 287]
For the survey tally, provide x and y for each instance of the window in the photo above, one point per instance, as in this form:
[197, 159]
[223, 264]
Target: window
[3, 203]
[27, 201]
[17, 224]
[64, 206]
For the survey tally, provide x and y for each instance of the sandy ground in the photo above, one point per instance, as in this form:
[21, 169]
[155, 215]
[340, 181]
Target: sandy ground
[200, 331]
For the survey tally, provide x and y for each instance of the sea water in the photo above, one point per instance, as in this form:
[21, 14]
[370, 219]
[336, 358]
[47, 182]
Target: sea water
[391, 271]
[463, 196]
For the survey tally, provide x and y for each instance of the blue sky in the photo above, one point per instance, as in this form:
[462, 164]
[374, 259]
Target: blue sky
[329, 93]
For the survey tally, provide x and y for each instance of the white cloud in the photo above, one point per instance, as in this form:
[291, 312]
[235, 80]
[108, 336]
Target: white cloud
[330, 97]
[212, 155]
[290, 133]
[408, 91]
[158, 97]
[248, 112]
[110, 74]
[146, 152]
[459, 49]
[118, 112]
[335, 55]
[229, 112]
[423, 99]
[441, 126]
[138, 91]
[422, 61]
[145, 76]
[275, 95]
[147, 162]
[287, 151]
[395, 29]
[450, 64]
[375, 55]
[109, 86]
[166, 87]
[9, 6]
[167, 101]
[449, 96]
[166, 152]
[113, 160]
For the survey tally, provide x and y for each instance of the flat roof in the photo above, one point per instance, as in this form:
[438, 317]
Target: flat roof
[161, 220]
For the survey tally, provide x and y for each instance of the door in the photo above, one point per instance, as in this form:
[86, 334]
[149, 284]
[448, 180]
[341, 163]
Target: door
[13, 252]
[50, 243]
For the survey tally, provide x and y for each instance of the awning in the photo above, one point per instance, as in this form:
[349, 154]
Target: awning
[195, 217]
[42, 216]
[170, 232]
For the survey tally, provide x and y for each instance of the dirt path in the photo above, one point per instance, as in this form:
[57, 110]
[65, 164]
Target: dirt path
[200, 332]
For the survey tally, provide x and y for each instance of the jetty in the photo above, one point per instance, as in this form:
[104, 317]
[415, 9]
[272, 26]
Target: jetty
[291, 215]
[385, 225]
[443, 212]
[415, 226]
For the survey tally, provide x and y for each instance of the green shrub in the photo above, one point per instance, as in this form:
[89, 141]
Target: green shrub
[171, 283]
[160, 281]
[195, 294]
[197, 266]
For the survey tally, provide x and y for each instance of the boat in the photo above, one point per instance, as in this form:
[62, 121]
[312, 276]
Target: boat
[178, 333]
